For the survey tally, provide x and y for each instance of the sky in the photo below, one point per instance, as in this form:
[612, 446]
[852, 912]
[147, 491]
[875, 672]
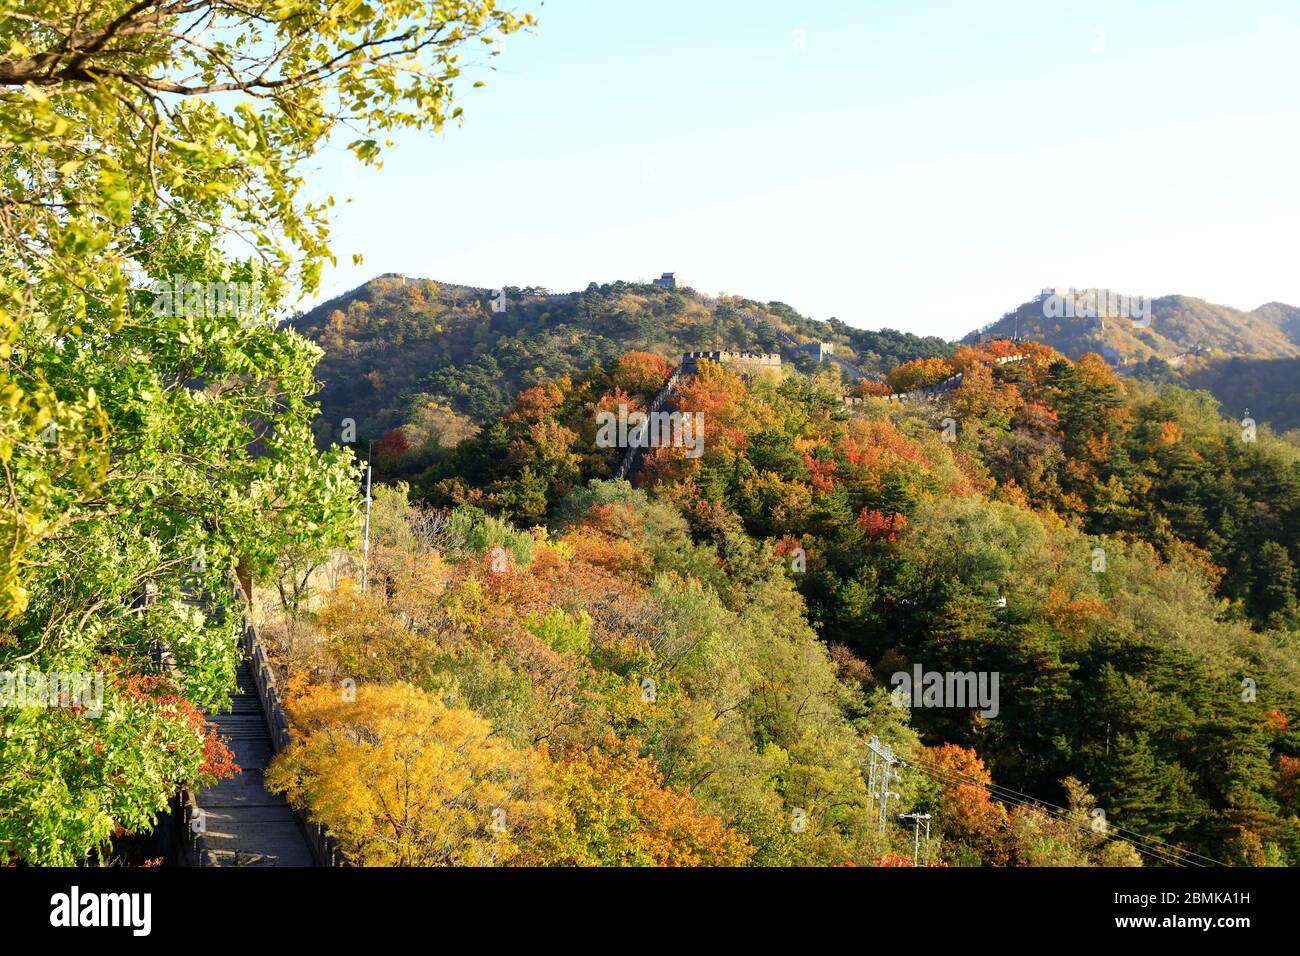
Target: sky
[916, 165]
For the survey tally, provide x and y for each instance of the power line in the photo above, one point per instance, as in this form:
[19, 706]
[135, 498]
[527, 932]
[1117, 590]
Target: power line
[1148, 851]
[1147, 846]
[1175, 856]
[1130, 834]
[881, 774]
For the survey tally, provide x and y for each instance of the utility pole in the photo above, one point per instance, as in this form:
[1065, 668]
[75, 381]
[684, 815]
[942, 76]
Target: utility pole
[916, 819]
[365, 541]
[887, 775]
[872, 744]
[886, 794]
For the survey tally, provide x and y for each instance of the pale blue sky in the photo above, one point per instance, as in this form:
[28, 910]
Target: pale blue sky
[922, 165]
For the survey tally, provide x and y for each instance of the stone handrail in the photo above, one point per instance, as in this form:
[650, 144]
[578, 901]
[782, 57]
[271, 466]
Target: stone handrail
[325, 847]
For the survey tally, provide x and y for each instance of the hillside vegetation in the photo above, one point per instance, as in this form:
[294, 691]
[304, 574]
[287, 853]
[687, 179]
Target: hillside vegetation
[1179, 325]
[431, 360]
[1267, 390]
[1121, 557]
[1246, 360]
[427, 357]
[1117, 551]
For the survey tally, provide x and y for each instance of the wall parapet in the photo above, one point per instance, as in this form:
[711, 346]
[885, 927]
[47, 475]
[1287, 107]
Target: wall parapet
[325, 847]
[929, 393]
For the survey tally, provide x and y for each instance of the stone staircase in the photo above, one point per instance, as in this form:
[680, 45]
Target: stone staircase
[241, 823]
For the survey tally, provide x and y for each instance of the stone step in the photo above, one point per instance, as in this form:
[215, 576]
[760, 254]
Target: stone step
[245, 824]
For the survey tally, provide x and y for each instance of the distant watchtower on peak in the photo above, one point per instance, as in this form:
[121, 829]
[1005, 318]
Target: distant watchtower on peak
[667, 281]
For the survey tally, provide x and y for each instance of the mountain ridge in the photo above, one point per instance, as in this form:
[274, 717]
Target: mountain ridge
[395, 344]
[439, 357]
[1175, 324]
[1248, 360]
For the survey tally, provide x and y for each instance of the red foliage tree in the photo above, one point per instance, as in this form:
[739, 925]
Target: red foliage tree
[880, 526]
[393, 443]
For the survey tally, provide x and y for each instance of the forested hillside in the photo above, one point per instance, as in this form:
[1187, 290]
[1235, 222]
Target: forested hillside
[424, 363]
[1265, 389]
[1246, 360]
[432, 358]
[723, 634]
[1178, 325]
[1122, 557]
[435, 575]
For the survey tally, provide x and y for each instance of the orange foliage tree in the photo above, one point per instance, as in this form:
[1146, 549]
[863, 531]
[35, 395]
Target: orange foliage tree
[919, 373]
[879, 526]
[966, 813]
[612, 809]
[642, 372]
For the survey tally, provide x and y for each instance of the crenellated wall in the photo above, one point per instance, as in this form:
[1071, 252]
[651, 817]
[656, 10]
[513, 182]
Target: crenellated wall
[931, 393]
[746, 361]
[632, 457]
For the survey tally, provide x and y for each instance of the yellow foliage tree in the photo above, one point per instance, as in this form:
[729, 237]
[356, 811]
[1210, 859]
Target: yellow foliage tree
[403, 780]
[919, 373]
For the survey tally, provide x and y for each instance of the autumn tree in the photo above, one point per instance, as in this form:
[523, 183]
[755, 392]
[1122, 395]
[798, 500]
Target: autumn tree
[611, 809]
[393, 443]
[919, 373]
[403, 780]
[965, 812]
[154, 416]
[642, 372]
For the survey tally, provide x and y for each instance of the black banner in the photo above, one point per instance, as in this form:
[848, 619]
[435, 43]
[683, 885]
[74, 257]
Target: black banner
[151, 906]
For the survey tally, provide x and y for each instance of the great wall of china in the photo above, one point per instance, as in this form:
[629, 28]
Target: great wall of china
[932, 393]
[754, 362]
[632, 457]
